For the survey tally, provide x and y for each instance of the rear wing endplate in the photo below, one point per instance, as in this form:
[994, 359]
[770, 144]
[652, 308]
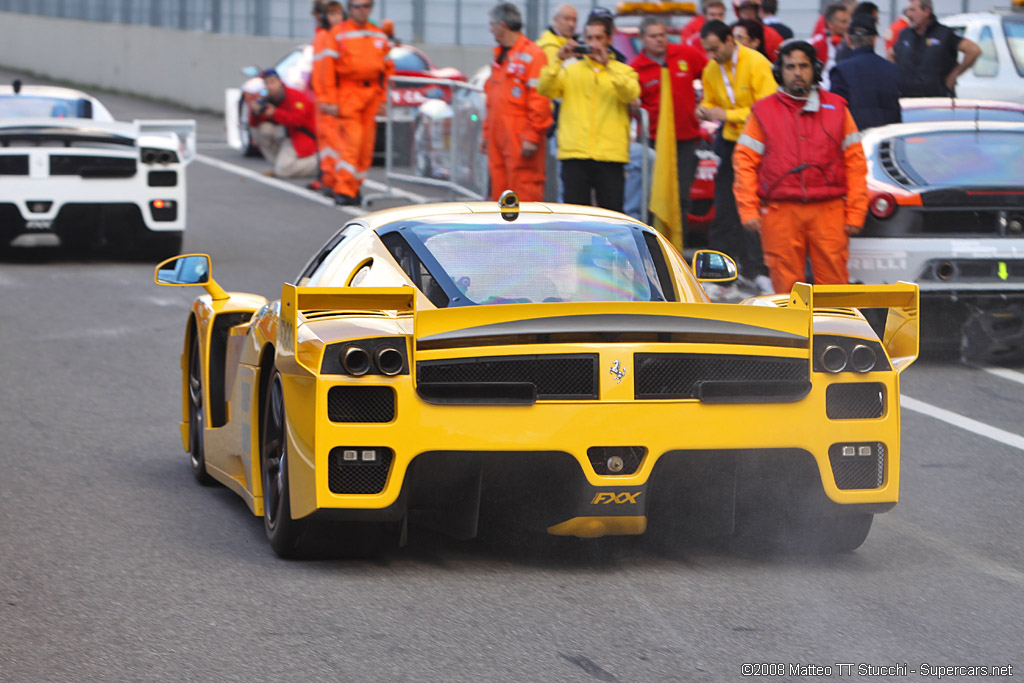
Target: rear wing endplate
[902, 324]
[185, 129]
[295, 301]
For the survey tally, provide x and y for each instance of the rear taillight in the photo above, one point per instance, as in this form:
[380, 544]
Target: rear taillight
[882, 205]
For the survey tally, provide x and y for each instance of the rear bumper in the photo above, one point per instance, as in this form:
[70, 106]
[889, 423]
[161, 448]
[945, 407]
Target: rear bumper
[63, 203]
[534, 458]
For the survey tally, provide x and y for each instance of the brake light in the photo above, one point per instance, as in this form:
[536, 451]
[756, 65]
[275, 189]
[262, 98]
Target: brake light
[883, 205]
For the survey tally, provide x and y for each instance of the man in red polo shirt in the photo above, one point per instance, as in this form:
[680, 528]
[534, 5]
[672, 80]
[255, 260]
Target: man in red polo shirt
[683, 65]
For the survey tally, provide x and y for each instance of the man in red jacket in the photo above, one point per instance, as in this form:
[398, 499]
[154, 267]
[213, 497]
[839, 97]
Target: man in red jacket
[801, 177]
[285, 129]
[684, 65]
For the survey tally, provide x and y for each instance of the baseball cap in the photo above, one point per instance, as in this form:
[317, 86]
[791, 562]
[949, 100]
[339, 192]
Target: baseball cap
[268, 72]
[747, 3]
[863, 24]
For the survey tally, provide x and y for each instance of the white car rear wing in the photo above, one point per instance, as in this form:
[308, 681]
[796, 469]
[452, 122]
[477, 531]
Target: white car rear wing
[184, 129]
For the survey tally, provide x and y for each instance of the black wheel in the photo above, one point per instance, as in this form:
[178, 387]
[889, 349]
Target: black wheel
[288, 537]
[196, 421]
[302, 538]
[770, 534]
[160, 245]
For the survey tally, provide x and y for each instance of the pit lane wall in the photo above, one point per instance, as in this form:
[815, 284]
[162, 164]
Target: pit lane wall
[191, 68]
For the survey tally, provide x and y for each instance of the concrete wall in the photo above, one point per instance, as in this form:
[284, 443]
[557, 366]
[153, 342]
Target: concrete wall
[188, 67]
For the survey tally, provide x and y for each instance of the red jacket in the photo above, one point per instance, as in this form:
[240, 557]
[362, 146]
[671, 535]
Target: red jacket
[808, 166]
[297, 113]
[685, 65]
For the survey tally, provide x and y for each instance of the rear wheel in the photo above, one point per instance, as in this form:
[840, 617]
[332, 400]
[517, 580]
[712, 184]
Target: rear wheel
[288, 537]
[303, 538]
[767, 533]
[161, 245]
[196, 420]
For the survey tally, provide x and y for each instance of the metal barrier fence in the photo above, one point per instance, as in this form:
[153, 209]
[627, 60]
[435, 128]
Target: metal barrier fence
[444, 137]
[445, 134]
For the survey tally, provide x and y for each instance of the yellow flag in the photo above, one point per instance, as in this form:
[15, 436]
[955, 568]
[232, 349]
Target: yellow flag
[665, 205]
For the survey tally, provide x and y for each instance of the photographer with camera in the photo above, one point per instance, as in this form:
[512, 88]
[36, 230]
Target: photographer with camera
[593, 140]
[284, 129]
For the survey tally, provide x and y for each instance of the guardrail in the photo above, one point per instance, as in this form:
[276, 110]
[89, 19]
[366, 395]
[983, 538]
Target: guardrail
[436, 123]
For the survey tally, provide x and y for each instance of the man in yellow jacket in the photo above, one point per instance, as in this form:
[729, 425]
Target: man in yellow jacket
[734, 79]
[593, 136]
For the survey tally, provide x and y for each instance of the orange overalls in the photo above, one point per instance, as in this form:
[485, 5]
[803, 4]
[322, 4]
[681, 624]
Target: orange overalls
[324, 81]
[363, 70]
[517, 112]
[800, 168]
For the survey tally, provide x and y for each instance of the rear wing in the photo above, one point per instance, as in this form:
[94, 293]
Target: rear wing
[184, 129]
[298, 301]
[902, 324]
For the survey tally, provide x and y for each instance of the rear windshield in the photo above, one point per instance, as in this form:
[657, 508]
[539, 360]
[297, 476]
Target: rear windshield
[973, 158]
[543, 261]
[35, 107]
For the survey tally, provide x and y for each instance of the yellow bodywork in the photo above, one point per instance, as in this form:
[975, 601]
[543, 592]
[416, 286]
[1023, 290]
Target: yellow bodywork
[295, 332]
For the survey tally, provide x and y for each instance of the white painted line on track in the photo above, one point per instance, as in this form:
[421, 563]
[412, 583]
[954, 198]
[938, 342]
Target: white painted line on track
[965, 423]
[1005, 373]
[274, 182]
[303, 192]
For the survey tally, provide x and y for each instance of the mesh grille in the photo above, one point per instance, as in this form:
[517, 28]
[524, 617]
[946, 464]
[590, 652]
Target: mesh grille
[357, 477]
[861, 401]
[556, 377]
[14, 164]
[858, 471]
[361, 404]
[91, 167]
[677, 375]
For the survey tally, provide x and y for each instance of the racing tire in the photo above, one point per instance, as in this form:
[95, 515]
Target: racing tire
[159, 246]
[289, 538]
[196, 420]
[769, 534]
[303, 538]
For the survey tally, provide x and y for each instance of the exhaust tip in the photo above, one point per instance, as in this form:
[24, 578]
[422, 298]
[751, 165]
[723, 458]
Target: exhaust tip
[389, 360]
[355, 360]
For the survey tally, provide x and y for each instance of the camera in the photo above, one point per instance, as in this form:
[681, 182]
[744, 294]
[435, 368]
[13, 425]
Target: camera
[260, 105]
[581, 49]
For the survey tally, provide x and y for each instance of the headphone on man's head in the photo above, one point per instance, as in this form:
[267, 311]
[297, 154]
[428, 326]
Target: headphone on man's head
[796, 44]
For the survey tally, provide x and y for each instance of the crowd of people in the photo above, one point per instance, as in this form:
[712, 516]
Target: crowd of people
[791, 180]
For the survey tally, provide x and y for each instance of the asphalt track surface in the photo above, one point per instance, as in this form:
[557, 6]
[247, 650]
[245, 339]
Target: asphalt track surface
[117, 566]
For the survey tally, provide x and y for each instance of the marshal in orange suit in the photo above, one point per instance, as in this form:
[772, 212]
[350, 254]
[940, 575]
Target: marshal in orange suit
[363, 69]
[518, 117]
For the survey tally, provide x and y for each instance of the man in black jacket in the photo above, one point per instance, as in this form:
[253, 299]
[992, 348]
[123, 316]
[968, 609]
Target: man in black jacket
[869, 83]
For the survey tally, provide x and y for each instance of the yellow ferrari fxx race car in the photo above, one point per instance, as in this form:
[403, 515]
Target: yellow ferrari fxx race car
[559, 364]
